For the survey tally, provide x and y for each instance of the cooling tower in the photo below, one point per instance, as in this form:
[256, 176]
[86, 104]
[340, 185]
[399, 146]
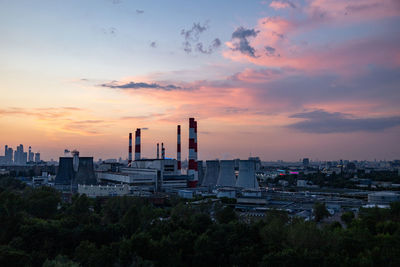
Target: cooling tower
[212, 171]
[247, 175]
[226, 176]
[85, 173]
[200, 170]
[65, 172]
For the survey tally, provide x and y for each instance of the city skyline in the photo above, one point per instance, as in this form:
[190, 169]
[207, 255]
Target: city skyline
[282, 80]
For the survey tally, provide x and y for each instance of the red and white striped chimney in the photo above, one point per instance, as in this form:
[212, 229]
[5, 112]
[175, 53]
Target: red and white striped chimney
[137, 144]
[162, 151]
[178, 149]
[192, 170]
[158, 150]
[130, 149]
[196, 174]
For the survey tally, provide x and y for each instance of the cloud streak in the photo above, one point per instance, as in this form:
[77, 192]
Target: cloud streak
[322, 122]
[142, 85]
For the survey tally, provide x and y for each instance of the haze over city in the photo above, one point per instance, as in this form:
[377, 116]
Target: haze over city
[281, 80]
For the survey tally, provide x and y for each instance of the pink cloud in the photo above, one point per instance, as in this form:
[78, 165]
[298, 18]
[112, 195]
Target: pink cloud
[279, 5]
[275, 44]
[356, 10]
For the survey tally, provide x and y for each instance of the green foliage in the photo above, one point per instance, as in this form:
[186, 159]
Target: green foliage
[320, 211]
[43, 202]
[347, 217]
[60, 261]
[226, 215]
[124, 231]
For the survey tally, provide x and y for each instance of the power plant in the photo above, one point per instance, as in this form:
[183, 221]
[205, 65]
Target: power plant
[158, 174]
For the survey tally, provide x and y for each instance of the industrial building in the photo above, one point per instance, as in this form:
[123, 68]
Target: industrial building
[383, 197]
[161, 174]
[211, 174]
[73, 171]
[226, 175]
[247, 175]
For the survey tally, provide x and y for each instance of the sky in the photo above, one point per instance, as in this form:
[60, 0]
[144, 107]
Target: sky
[282, 79]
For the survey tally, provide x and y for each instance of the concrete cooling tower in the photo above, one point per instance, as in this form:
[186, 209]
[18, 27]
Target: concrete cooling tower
[247, 175]
[85, 173]
[200, 170]
[212, 171]
[226, 176]
[65, 172]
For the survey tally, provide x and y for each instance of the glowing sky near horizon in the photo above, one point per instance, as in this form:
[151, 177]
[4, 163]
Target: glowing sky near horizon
[281, 80]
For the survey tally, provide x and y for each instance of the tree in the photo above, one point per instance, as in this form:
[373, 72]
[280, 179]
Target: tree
[60, 261]
[320, 211]
[43, 202]
[347, 217]
[225, 215]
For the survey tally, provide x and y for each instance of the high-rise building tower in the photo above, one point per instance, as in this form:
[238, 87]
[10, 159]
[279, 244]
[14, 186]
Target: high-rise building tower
[30, 155]
[37, 157]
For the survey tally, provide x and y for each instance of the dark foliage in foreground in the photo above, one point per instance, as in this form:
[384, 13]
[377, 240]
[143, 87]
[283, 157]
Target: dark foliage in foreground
[35, 230]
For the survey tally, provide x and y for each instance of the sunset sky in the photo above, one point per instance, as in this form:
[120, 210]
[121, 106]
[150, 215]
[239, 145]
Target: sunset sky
[281, 80]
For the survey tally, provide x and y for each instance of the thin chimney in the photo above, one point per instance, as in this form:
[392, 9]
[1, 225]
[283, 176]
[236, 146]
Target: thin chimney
[130, 149]
[178, 150]
[137, 144]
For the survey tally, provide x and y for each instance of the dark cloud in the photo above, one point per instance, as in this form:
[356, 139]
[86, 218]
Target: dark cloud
[270, 51]
[235, 110]
[143, 117]
[192, 40]
[153, 44]
[144, 129]
[139, 11]
[239, 36]
[291, 4]
[142, 85]
[361, 7]
[320, 121]
[377, 85]
[214, 45]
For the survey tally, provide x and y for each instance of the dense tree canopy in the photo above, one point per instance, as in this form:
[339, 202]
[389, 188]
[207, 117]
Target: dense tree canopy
[36, 229]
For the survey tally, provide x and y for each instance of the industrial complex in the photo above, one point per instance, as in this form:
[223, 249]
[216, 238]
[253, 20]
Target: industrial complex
[250, 185]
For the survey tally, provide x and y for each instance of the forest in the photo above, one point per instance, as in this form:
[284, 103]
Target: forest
[37, 229]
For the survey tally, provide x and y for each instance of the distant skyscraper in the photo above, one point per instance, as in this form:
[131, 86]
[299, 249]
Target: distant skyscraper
[306, 162]
[30, 155]
[20, 156]
[37, 157]
[8, 154]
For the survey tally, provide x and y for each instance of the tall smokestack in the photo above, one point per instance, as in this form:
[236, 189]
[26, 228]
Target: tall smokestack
[192, 170]
[196, 174]
[130, 149]
[178, 149]
[162, 151]
[137, 144]
[158, 150]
